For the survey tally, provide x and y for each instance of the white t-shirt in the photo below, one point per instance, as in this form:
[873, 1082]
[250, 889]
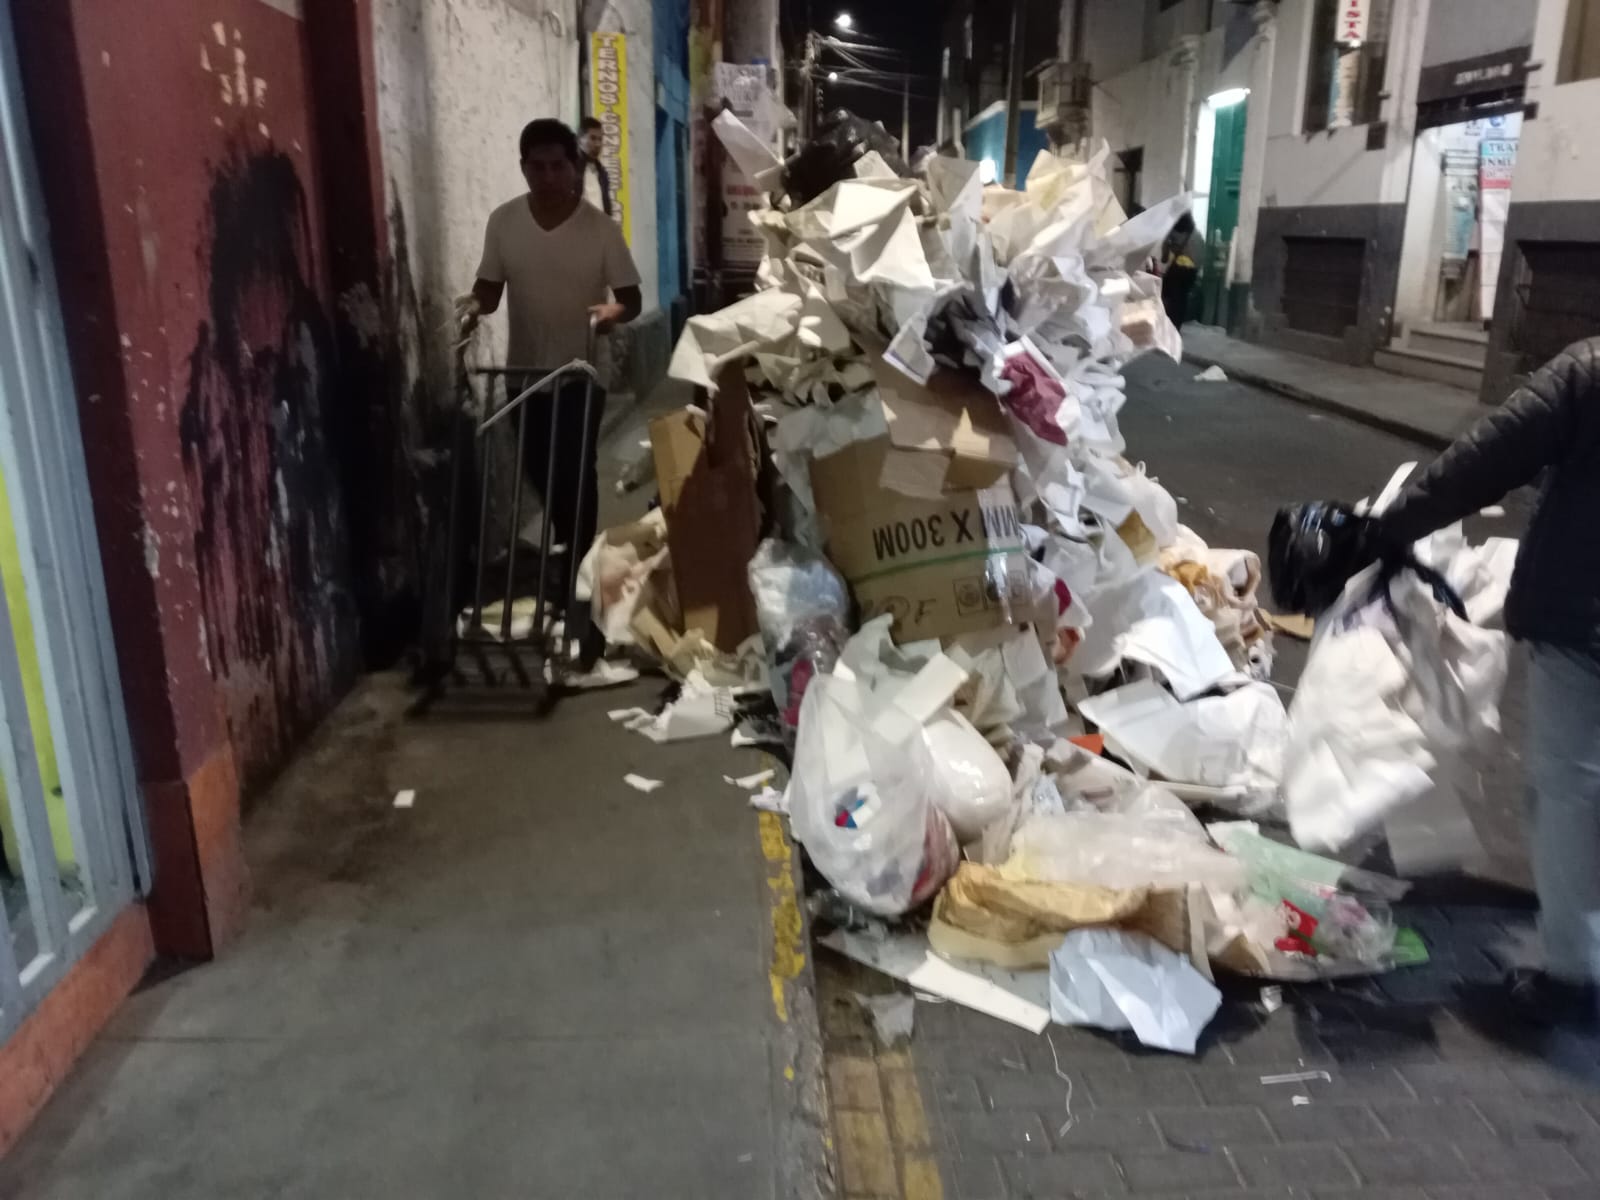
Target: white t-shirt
[592, 191]
[553, 277]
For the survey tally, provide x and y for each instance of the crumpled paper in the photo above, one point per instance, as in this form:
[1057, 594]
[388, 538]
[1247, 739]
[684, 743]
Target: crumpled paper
[1113, 979]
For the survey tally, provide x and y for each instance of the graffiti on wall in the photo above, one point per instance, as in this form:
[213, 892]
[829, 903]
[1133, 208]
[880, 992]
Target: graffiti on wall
[280, 625]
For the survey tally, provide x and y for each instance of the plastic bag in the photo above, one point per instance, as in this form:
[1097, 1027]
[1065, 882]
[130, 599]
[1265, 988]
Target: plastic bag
[1397, 691]
[1314, 551]
[803, 609]
[860, 801]
[972, 786]
[1120, 851]
[832, 154]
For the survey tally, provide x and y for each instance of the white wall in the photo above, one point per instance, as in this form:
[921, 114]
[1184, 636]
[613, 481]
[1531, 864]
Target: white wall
[1148, 106]
[457, 80]
[1557, 159]
[1335, 167]
[1116, 35]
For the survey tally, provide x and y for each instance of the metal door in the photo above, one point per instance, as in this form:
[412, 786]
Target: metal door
[1227, 179]
[72, 831]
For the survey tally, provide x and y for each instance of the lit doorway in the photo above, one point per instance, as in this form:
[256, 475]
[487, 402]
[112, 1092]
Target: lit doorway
[1456, 212]
[1218, 185]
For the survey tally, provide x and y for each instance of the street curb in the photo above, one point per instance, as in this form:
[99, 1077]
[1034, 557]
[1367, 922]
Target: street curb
[1391, 425]
[807, 1166]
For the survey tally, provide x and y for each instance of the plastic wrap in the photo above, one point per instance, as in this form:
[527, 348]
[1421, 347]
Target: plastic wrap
[1120, 851]
[803, 610]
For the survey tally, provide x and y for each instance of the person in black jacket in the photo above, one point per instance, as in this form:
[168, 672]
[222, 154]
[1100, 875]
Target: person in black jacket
[1550, 425]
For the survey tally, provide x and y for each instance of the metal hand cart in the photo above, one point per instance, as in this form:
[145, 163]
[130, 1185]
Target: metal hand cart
[521, 649]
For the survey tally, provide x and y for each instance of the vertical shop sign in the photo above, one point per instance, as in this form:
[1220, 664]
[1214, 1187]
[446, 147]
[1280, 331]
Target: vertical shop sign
[1352, 22]
[1499, 165]
[608, 86]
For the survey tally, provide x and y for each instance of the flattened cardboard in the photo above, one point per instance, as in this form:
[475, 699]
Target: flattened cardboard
[707, 469]
[944, 564]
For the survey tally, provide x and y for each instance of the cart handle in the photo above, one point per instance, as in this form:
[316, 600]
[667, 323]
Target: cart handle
[577, 366]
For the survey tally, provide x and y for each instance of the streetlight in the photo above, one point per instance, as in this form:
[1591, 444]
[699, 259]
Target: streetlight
[833, 77]
[844, 21]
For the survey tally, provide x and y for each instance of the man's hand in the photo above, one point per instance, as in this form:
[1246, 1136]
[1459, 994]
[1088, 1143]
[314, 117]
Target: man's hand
[469, 311]
[608, 316]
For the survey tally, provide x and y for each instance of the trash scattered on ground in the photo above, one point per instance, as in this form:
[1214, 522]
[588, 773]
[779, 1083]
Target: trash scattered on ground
[1111, 979]
[1297, 1077]
[1020, 998]
[406, 798]
[1212, 374]
[640, 784]
[904, 543]
[700, 711]
[747, 782]
[771, 800]
[893, 1016]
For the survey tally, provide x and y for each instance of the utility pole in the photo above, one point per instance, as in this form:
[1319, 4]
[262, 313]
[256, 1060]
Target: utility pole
[808, 88]
[905, 119]
[1019, 32]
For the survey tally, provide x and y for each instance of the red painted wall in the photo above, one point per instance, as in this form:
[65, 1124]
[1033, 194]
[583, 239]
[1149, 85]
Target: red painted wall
[180, 159]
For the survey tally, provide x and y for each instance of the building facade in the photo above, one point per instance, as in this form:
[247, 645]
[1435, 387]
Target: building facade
[1390, 182]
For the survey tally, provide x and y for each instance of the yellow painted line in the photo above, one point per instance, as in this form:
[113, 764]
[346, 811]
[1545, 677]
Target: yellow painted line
[788, 930]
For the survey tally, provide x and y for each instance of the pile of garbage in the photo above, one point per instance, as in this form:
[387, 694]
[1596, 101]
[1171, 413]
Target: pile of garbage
[1009, 676]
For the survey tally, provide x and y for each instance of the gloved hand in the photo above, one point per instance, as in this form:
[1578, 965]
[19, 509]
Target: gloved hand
[1315, 550]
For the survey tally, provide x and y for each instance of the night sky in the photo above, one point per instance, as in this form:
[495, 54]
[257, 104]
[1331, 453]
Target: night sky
[911, 27]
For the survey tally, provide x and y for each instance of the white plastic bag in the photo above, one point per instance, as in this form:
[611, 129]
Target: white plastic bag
[860, 800]
[971, 786]
[1396, 693]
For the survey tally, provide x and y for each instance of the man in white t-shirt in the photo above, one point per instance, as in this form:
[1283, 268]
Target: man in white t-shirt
[558, 261]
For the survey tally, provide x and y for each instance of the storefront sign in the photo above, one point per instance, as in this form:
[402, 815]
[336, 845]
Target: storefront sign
[1352, 22]
[608, 88]
[1502, 71]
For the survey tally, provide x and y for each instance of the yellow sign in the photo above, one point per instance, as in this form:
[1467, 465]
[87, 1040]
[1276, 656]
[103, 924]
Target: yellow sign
[608, 91]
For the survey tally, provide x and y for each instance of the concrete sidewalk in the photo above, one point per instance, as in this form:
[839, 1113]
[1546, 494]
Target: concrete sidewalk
[537, 982]
[1429, 413]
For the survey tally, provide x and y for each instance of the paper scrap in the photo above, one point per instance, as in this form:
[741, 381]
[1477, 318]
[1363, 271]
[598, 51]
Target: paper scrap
[750, 782]
[1114, 979]
[1212, 374]
[1021, 998]
[1297, 1077]
[1300, 1101]
[640, 784]
[771, 800]
[893, 1016]
[406, 799]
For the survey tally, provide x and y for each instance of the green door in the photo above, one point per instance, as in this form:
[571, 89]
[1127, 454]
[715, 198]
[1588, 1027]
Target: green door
[1227, 177]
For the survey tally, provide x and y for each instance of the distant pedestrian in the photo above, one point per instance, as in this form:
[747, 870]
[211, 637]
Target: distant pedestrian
[1550, 425]
[596, 179]
[562, 263]
[1181, 254]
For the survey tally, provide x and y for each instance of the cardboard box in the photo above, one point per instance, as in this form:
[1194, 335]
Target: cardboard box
[707, 471]
[922, 522]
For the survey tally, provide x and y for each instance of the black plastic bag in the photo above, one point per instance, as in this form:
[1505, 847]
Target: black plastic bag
[831, 155]
[1314, 550]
